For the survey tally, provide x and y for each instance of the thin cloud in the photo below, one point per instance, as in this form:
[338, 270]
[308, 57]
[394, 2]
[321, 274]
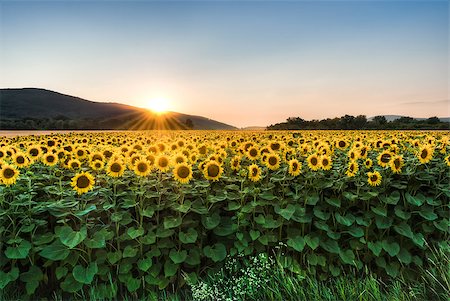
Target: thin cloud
[436, 102]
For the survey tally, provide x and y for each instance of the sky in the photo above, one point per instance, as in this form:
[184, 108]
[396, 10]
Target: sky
[245, 63]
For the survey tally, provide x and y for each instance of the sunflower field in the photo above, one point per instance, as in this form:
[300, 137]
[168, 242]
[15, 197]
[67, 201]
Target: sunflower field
[138, 211]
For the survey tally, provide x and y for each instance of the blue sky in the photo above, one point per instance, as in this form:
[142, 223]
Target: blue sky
[243, 63]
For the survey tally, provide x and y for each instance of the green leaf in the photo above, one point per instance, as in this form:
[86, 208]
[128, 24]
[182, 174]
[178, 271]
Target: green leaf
[330, 246]
[346, 220]
[172, 222]
[133, 284]
[417, 200]
[183, 208]
[404, 256]
[144, 264]
[193, 258]
[60, 272]
[149, 238]
[217, 253]
[391, 247]
[347, 256]
[312, 199]
[401, 214]
[381, 211]
[188, 237]
[418, 239]
[211, 221]
[148, 212]
[428, 214]
[114, 257]
[96, 242]
[320, 214]
[312, 241]
[383, 222]
[19, 252]
[297, 243]
[335, 271]
[170, 268]
[70, 285]
[267, 195]
[404, 229]
[375, 247]
[56, 251]
[129, 251]
[254, 234]
[72, 238]
[392, 199]
[135, 233]
[356, 232]
[178, 256]
[334, 202]
[85, 275]
[392, 269]
[90, 208]
[287, 212]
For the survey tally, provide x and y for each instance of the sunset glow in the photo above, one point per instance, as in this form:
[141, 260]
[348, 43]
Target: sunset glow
[158, 105]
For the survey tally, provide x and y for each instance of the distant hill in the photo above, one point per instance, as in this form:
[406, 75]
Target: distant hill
[254, 128]
[32, 108]
[390, 118]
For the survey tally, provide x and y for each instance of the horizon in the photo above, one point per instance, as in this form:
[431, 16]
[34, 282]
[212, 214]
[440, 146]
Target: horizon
[241, 63]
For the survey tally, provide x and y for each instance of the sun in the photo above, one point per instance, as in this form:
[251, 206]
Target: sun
[159, 105]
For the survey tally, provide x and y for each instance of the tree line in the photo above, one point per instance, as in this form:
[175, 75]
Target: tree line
[360, 122]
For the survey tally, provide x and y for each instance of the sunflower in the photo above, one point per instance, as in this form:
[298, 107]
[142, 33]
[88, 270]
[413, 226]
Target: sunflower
[34, 151]
[115, 168]
[82, 182]
[74, 164]
[142, 168]
[182, 173]
[396, 164]
[425, 154]
[352, 169]
[374, 178]
[20, 159]
[97, 156]
[275, 146]
[252, 153]
[50, 159]
[384, 158]
[212, 170]
[254, 173]
[313, 162]
[180, 158]
[235, 163]
[8, 174]
[162, 162]
[353, 154]
[447, 160]
[272, 161]
[368, 163]
[97, 164]
[295, 167]
[341, 144]
[325, 162]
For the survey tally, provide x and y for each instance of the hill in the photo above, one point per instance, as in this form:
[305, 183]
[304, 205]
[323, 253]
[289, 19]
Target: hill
[390, 118]
[33, 108]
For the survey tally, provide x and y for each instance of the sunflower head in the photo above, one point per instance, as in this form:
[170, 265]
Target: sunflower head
[252, 153]
[50, 159]
[162, 162]
[396, 164]
[235, 163]
[374, 178]
[83, 182]
[212, 170]
[254, 173]
[425, 154]
[115, 168]
[352, 169]
[142, 168]
[8, 174]
[272, 161]
[325, 162]
[182, 173]
[313, 162]
[295, 167]
[368, 163]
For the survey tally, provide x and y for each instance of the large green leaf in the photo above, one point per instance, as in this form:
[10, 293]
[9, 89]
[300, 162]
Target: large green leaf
[135, 233]
[72, 238]
[85, 275]
[172, 222]
[375, 247]
[416, 200]
[312, 241]
[346, 220]
[188, 237]
[347, 256]
[20, 251]
[217, 252]
[404, 229]
[211, 221]
[55, 251]
[391, 247]
[330, 246]
[297, 243]
[70, 285]
[178, 256]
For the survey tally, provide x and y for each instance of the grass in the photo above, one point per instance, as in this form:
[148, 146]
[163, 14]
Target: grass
[262, 277]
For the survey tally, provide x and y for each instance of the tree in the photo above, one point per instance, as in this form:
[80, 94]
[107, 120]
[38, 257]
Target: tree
[380, 120]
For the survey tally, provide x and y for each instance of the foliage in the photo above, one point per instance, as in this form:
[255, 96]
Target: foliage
[139, 234]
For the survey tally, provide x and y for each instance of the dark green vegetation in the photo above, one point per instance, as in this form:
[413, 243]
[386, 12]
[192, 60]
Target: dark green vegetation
[135, 236]
[360, 122]
[38, 109]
